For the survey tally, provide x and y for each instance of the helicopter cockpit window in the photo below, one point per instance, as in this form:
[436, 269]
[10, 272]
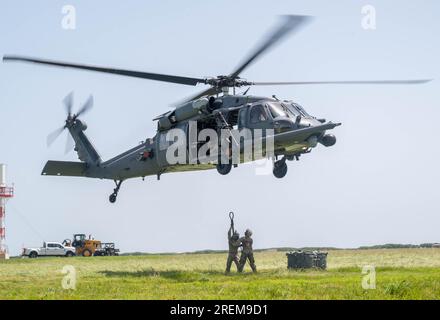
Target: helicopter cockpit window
[291, 111]
[277, 110]
[294, 106]
[258, 114]
[242, 118]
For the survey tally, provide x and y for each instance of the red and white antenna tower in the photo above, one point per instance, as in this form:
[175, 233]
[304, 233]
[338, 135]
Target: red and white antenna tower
[5, 194]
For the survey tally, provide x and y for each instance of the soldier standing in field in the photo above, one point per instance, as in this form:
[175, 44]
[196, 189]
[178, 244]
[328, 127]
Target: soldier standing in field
[234, 243]
[247, 253]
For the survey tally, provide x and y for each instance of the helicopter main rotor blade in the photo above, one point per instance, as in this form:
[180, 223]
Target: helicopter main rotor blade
[86, 107]
[291, 23]
[207, 92]
[137, 74]
[417, 81]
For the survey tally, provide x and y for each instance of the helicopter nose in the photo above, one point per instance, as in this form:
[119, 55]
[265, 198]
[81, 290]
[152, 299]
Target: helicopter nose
[304, 123]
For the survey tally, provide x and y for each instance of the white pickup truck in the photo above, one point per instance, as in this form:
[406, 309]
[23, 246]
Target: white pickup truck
[49, 249]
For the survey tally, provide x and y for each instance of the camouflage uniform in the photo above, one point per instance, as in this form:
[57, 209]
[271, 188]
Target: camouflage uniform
[234, 244]
[247, 253]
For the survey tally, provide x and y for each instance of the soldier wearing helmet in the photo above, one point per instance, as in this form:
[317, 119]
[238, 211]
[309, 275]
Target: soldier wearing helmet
[247, 253]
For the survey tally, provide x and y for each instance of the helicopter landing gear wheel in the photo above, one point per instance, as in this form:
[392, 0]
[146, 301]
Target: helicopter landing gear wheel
[280, 168]
[112, 198]
[224, 169]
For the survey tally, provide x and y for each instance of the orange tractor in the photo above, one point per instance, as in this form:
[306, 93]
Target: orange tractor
[88, 247]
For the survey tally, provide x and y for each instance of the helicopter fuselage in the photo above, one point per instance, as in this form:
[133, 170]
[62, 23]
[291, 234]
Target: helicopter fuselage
[285, 124]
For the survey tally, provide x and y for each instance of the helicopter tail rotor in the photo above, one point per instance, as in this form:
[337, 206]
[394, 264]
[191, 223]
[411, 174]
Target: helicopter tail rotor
[70, 121]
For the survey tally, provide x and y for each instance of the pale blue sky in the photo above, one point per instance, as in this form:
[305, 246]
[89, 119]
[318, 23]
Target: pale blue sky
[378, 184]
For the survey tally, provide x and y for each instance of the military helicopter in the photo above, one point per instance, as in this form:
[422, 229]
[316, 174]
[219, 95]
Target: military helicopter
[295, 132]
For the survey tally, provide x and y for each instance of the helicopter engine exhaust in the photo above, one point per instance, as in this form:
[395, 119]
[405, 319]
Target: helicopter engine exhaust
[191, 109]
[328, 140]
[184, 112]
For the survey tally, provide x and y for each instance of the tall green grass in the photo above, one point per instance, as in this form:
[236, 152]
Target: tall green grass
[400, 274]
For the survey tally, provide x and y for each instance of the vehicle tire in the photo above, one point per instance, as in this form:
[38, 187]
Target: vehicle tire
[87, 253]
[69, 254]
[224, 169]
[33, 254]
[280, 170]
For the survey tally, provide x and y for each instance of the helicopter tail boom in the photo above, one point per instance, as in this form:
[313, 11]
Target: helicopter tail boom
[85, 149]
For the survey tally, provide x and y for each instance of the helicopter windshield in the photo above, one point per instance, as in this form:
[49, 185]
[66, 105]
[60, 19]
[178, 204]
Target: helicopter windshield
[288, 110]
[296, 109]
[277, 110]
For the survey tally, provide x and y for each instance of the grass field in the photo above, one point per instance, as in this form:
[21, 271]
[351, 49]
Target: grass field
[400, 274]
